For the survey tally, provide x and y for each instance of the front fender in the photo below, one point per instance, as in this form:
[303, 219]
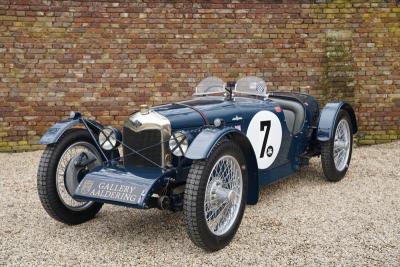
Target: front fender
[54, 132]
[328, 116]
[204, 143]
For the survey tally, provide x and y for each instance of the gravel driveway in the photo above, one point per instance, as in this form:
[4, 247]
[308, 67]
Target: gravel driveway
[302, 220]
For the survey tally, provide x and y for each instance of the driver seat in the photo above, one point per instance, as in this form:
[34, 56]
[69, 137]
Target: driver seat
[294, 113]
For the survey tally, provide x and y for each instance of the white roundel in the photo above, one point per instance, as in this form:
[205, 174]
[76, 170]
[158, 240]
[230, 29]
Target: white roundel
[265, 135]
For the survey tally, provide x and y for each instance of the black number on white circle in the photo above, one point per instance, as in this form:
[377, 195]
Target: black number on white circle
[264, 124]
[265, 134]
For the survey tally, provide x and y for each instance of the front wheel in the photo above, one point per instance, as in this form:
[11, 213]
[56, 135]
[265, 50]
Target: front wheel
[52, 179]
[336, 153]
[215, 194]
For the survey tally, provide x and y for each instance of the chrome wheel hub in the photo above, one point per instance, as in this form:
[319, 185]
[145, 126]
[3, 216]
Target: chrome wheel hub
[223, 195]
[341, 147]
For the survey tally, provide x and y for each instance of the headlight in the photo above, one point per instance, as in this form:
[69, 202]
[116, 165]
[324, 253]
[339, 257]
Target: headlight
[109, 138]
[178, 144]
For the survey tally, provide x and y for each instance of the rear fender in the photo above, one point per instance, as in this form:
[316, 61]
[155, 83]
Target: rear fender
[203, 144]
[328, 117]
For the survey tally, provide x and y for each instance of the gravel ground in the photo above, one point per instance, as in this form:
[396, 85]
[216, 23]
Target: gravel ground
[302, 220]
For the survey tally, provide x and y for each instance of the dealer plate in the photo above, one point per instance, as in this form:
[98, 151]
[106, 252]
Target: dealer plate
[123, 191]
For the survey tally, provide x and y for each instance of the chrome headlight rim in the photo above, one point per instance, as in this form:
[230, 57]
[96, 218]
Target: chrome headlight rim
[178, 143]
[109, 138]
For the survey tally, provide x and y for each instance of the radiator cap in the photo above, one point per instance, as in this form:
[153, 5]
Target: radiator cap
[144, 109]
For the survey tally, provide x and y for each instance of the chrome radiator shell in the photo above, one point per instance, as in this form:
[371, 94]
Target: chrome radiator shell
[139, 123]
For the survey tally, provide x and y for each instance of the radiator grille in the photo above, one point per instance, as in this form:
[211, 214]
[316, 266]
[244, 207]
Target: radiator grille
[138, 141]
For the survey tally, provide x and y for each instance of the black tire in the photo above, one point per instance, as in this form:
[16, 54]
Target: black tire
[327, 154]
[46, 180]
[193, 207]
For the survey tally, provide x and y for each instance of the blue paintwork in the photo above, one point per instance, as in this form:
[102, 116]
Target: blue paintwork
[54, 133]
[272, 175]
[205, 138]
[291, 148]
[328, 117]
[204, 142]
[236, 116]
[182, 117]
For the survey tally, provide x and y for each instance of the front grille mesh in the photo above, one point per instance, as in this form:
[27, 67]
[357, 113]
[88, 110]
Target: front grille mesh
[138, 141]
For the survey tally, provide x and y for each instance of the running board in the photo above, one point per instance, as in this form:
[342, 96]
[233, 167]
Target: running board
[118, 186]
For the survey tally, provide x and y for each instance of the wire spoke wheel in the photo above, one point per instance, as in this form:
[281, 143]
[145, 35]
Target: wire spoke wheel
[336, 152]
[223, 195]
[59, 175]
[215, 196]
[70, 153]
[341, 149]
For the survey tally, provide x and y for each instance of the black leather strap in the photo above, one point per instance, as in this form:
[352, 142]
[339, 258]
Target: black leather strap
[205, 119]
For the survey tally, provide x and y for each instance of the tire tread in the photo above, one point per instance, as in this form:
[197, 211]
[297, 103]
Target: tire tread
[194, 215]
[327, 158]
[47, 191]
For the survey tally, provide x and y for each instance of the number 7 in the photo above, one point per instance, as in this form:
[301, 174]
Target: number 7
[262, 127]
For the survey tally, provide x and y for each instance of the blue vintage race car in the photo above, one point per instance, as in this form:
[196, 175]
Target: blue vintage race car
[207, 156]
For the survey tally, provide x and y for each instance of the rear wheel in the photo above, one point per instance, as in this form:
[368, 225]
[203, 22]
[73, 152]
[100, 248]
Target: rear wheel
[215, 195]
[336, 153]
[55, 195]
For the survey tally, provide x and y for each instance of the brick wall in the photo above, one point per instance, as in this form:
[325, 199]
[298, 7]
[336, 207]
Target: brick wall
[105, 58]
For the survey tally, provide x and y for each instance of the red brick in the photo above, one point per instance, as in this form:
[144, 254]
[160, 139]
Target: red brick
[107, 59]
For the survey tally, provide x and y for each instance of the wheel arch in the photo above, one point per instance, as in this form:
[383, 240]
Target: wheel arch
[252, 166]
[203, 144]
[54, 133]
[328, 116]
[47, 185]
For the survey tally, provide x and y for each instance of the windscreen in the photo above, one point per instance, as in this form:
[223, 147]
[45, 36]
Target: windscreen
[251, 85]
[210, 85]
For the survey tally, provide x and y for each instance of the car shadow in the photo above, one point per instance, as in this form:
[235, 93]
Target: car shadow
[140, 226]
[310, 175]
